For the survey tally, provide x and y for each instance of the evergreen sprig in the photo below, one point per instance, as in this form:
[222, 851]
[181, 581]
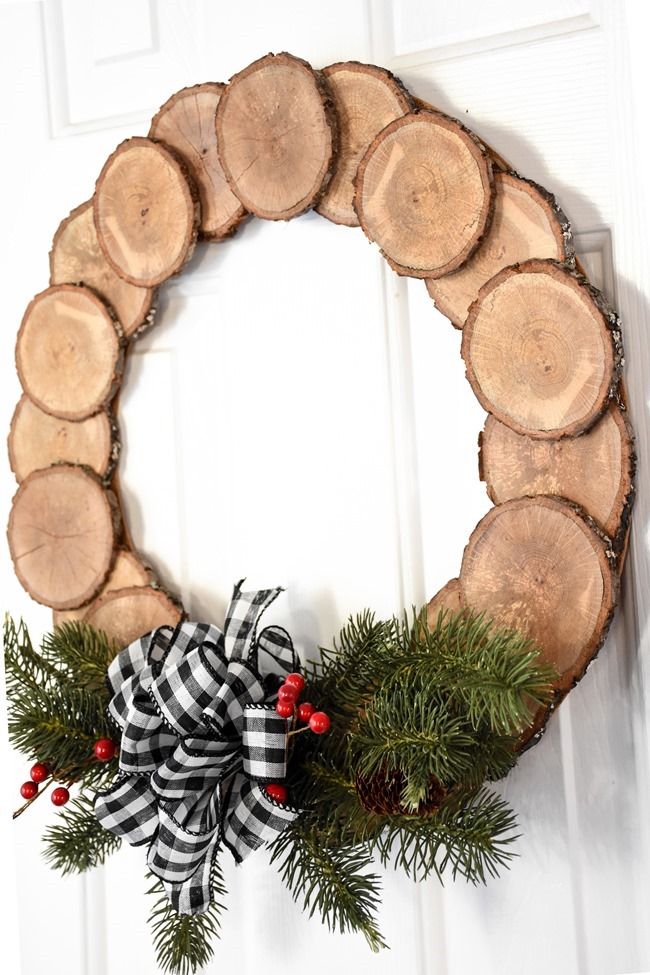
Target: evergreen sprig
[77, 842]
[184, 943]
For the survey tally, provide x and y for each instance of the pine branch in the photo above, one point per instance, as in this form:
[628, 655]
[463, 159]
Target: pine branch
[331, 880]
[80, 653]
[77, 842]
[470, 835]
[184, 942]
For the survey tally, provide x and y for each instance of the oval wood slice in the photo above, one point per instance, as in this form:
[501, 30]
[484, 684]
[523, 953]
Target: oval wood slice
[146, 212]
[69, 352]
[366, 99]
[127, 571]
[187, 123]
[595, 470]
[276, 136]
[527, 223]
[542, 350]
[448, 599]
[38, 440]
[126, 614]
[535, 565]
[77, 258]
[62, 531]
[424, 193]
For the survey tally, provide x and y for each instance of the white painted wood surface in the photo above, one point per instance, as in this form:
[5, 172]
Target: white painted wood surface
[290, 366]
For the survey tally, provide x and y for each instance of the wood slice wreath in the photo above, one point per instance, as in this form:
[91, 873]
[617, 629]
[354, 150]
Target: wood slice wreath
[542, 348]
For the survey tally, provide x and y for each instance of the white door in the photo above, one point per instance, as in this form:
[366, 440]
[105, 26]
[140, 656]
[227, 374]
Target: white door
[326, 400]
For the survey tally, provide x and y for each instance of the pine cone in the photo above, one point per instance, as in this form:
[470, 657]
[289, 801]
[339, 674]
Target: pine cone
[381, 794]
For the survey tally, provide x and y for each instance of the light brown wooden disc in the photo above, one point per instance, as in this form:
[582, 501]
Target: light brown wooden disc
[126, 614]
[276, 135]
[127, 571]
[424, 193]
[595, 470]
[37, 440]
[541, 350]
[61, 533]
[366, 99]
[448, 599]
[186, 122]
[146, 212]
[534, 564]
[527, 223]
[77, 258]
[69, 352]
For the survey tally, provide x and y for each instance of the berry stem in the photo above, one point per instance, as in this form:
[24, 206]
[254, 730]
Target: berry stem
[298, 731]
[41, 791]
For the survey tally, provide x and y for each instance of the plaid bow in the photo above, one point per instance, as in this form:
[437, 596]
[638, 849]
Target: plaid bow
[198, 742]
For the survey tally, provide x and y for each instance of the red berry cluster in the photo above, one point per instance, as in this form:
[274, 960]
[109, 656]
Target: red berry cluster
[288, 695]
[103, 750]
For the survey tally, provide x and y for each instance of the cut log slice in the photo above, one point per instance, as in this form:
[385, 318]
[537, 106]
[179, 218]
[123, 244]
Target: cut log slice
[424, 193]
[276, 136]
[187, 123]
[62, 531]
[146, 212]
[77, 258]
[542, 350]
[527, 223]
[595, 470]
[366, 99]
[69, 352]
[37, 440]
[127, 571]
[128, 613]
[449, 599]
[535, 565]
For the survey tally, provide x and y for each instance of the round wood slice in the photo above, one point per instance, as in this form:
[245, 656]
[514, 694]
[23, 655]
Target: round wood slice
[541, 349]
[69, 352]
[366, 99]
[276, 136]
[77, 258]
[61, 533]
[448, 599]
[424, 193]
[595, 470]
[534, 564]
[126, 614]
[37, 440]
[127, 571]
[527, 223]
[146, 212]
[186, 122]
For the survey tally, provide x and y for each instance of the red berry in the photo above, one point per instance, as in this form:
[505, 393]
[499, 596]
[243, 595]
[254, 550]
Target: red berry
[276, 791]
[288, 693]
[284, 708]
[104, 750]
[28, 790]
[305, 711]
[319, 722]
[297, 681]
[39, 772]
[60, 796]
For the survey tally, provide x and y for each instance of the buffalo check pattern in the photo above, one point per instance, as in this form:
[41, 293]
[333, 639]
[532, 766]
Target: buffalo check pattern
[198, 742]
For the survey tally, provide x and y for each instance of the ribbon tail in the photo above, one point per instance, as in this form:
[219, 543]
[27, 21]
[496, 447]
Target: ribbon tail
[241, 619]
[193, 896]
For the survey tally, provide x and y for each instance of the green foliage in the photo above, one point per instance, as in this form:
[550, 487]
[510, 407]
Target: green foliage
[57, 702]
[77, 842]
[184, 942]
[331, 880]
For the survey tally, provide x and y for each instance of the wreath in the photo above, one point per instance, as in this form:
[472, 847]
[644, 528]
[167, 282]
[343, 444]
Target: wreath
[195, 740]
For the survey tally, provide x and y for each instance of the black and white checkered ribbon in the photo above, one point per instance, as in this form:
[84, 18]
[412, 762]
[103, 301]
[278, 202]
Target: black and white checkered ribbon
[198, 742]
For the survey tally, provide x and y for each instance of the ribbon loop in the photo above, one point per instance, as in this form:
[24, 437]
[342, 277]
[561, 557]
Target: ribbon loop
[264, 745]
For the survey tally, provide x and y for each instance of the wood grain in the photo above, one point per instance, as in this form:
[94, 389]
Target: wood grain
[128, 571]
[128, 613]
[276, 136]
[62, 535]
[424, 193]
